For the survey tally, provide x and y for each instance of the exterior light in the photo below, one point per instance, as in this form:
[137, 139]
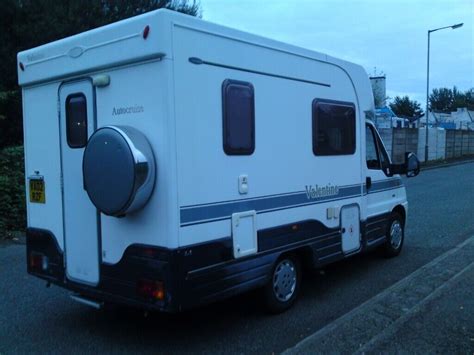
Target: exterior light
[427, 112]
[146, 32]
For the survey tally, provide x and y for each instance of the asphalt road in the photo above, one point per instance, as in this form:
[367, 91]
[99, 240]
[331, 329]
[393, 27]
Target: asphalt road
[34, 318]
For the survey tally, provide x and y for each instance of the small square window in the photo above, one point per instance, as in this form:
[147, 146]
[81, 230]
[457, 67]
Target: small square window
[238, 117]
[76, 120]
[333, 128]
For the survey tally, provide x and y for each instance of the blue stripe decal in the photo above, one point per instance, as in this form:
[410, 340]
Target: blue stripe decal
[224, 210]
[218, 211]
[377, 186]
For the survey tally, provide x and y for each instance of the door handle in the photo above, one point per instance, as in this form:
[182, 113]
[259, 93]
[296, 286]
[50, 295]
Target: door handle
[368, 182]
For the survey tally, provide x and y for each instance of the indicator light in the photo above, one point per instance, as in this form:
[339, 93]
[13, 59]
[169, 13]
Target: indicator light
[146, 32]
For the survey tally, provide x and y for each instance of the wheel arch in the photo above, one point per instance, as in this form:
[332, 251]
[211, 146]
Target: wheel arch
[304, 254]
[399, 209]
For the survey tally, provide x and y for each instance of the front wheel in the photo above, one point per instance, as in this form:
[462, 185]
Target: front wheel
[395, 236]
[283, 287]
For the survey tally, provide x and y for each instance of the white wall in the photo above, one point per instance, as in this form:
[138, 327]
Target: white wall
[436, 144]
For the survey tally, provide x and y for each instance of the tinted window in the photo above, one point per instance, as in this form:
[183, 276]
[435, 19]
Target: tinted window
[238, 117]
[371, 150]
[384, 161]
[76, 120]
[333, 128]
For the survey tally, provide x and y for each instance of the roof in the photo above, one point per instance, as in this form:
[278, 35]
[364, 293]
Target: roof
[385, 111]
[123, 42]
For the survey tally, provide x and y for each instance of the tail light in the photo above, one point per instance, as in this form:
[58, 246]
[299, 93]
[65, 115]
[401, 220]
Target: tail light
[151, 289]
[38, 261]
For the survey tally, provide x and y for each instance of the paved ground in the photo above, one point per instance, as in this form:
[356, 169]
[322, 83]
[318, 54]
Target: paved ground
[430, 310]
[444, 324]
[33, 318]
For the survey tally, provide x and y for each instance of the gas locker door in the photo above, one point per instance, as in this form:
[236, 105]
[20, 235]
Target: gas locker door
[350, 228]
[81, 236]
[244, 233]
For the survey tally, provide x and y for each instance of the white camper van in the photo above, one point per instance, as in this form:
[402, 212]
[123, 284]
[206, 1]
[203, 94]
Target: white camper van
[171, 162]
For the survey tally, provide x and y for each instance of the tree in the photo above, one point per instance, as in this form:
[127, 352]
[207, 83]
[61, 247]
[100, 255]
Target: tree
[441, 99]
[404, 107]
[444, 99]
[11, 123]
[30, 23]
[469, 96]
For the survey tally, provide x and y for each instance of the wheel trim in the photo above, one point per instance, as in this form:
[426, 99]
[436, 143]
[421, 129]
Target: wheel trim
[396, 234]
[284, 280]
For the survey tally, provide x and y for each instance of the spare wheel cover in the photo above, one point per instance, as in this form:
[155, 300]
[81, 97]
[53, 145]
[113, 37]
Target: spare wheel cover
[119, 170]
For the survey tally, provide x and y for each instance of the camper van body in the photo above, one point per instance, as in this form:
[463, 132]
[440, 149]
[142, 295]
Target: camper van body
[216, 218]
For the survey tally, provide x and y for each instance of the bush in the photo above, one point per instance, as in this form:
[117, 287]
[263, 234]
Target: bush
[12, 191]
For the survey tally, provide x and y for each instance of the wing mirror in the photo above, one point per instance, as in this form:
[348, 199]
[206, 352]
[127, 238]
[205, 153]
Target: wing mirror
[410, 168]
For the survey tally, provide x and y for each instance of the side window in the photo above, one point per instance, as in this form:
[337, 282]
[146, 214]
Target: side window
[333, 128]
[372, 155]
[377, 157]
[76, 120]
[384, 161]
[238, 117]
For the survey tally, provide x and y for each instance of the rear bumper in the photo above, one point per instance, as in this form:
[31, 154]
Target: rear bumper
[187, 281]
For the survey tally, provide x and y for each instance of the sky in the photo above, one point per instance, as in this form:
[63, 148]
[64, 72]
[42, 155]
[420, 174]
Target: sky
[384, 36]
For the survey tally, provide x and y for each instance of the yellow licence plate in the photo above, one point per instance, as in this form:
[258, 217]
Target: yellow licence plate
[37, 194]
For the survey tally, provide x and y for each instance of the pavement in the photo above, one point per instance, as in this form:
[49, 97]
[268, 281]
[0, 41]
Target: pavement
[431, 310]
[420, 301]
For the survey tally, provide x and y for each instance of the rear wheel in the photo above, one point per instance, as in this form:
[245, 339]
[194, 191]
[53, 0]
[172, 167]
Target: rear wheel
[395, 236]
[283, 287]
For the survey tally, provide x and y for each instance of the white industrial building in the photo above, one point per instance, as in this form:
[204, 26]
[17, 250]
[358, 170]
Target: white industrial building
[462, 118]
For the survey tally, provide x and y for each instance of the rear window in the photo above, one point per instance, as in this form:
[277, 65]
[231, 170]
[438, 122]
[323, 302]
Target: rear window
[333, 128]
[238, 117]
[76, 120]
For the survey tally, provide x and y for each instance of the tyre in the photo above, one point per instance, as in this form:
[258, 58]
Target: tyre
[395, 235]
[283, 287]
